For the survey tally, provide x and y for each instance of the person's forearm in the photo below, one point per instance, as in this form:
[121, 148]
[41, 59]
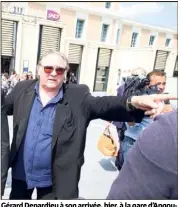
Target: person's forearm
[111, 108]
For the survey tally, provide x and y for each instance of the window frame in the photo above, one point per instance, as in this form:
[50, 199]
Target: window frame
[77, 30]
[169, 43]
[132, 39]
[118, 35]
[21, 10]
[102, 32]
[106, 5]
[153, 40]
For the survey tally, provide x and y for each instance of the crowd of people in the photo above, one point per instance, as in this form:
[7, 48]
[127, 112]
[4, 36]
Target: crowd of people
[50, 120]
[8, 82]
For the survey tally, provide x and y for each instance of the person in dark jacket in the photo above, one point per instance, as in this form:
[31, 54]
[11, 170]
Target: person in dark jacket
[5, 149]
[73, 78]
[151, 169]
[121, 126]
[50, 120]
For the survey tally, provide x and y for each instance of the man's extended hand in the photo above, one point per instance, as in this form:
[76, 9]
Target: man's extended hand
[151, 104]
[167, 108]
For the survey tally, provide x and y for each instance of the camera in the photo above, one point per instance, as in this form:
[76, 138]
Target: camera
[146, 89]
[136, 86]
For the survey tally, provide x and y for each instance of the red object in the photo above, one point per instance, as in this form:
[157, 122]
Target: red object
[52, 15]
[49, 69]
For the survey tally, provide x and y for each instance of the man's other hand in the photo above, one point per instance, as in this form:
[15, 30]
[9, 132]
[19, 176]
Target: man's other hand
[151, 104]
[167, 108]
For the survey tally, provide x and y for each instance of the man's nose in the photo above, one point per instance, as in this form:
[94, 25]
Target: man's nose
[54, 73]
[162, 87]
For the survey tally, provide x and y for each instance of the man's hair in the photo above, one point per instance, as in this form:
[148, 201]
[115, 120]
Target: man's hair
[157, 73]
[50, 52]
[138, 71]
[6, 75]
[13, 72]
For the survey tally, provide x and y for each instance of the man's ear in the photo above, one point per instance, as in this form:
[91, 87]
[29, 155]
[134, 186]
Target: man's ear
[65, 74]
[38, 70]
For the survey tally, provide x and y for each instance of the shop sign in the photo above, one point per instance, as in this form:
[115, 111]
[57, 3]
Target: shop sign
[52, 15]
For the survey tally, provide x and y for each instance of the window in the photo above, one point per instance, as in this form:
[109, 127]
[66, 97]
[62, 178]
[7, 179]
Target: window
[104, 32]
[117, 36]
[151, 41]
[168, 41]
[79, 28]
[102, 69]
[14, 10]
[134, 39]
[108, 5]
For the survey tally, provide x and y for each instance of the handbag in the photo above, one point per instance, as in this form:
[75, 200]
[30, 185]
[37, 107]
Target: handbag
[106, 144]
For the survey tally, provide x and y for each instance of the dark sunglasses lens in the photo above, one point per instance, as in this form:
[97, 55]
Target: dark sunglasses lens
[48, 69]
[60, 71]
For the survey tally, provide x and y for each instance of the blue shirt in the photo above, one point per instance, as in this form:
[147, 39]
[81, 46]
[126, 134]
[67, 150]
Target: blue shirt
[34, 158]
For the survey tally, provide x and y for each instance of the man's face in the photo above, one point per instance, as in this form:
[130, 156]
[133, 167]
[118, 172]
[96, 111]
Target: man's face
[160, 81]
[50, 73]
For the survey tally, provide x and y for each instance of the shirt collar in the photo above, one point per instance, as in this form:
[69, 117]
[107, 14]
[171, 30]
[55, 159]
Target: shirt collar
[58, 97]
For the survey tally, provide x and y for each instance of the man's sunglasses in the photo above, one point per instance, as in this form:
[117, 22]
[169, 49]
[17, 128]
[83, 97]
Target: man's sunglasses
[49, 69]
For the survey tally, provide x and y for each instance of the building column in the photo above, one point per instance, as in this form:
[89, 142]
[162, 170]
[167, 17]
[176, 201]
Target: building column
[30, 38]
[88, 65]
[113, 72]
[18, 47]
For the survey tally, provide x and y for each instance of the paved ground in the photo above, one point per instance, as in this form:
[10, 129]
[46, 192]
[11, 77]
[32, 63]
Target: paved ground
[98, 172]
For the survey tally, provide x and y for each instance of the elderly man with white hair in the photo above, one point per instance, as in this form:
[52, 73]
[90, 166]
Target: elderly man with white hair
[138, 72]
[128, 73]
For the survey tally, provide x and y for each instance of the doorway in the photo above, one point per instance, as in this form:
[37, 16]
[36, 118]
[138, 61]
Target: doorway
[74, 68]
[6, 64]
[74, 58]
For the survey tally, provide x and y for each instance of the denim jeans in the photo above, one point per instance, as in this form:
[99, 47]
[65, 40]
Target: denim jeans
[135, 131]
[127, 143]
